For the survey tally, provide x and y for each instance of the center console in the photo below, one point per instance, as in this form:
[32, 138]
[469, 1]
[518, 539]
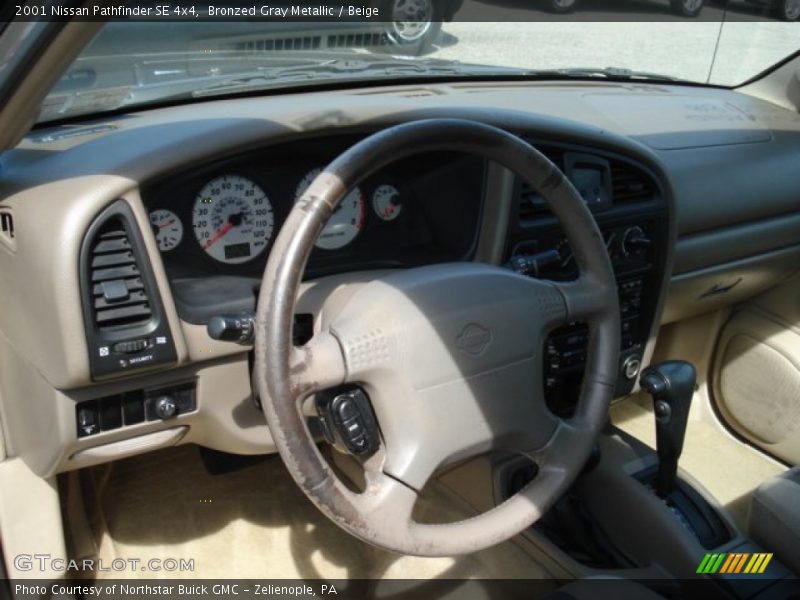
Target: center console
[631, 512]
[630, 210]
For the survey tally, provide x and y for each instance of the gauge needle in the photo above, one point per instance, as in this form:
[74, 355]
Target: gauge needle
[167, 224]
[218, 235]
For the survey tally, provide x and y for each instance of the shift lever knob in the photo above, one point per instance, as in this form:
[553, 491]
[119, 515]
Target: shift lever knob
[671, 384]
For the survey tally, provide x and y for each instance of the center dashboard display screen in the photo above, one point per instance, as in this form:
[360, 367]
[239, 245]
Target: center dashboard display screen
[591, 176]
[590, 183]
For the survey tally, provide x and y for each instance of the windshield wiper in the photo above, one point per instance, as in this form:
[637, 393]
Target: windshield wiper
[337, 68]
[266, 77]
[620, 73]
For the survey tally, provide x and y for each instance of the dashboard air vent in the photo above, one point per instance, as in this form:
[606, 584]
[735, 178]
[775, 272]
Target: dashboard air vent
[124, 317]
[628, 184]
[7, 232]
[119, 297]
[531, 204]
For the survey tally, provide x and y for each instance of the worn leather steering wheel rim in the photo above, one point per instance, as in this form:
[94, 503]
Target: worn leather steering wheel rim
[285, 375]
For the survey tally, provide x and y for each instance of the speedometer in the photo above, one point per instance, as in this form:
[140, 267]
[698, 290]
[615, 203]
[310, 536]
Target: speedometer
[232, 219]
[345, 222]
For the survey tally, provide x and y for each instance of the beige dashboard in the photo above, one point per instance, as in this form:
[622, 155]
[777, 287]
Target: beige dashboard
[721, 157]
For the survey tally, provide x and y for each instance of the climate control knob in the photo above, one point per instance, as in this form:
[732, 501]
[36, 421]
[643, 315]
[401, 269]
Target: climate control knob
[165, 407]
[634, 239]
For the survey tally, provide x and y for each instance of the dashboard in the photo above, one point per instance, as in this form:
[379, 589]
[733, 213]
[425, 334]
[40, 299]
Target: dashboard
[131, 233]
[215, 224]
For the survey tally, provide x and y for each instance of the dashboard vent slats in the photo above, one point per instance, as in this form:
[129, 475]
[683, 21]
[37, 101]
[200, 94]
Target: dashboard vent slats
[108, 260]
[628, 185]
[132, 285]
[123, 315]
[119, 298]
[139, 297]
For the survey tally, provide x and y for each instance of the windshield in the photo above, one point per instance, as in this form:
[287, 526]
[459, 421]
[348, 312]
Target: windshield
[139, 63]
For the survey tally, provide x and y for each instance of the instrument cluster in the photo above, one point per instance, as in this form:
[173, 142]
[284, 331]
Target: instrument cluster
[223, 218]
[233, 220]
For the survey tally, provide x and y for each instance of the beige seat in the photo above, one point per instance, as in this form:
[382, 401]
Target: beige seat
[774, 519]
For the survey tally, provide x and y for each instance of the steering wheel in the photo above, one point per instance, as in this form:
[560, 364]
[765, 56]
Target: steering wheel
[449, 355]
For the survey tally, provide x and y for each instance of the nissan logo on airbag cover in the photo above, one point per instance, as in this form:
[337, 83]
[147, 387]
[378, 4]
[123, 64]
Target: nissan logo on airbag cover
[474, 339]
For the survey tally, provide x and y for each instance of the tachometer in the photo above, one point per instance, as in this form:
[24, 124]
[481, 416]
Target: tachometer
[346, 221]
[167, 228]
[232, 219]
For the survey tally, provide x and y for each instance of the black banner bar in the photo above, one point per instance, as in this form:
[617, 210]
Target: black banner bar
[600, 588]
[380, 11]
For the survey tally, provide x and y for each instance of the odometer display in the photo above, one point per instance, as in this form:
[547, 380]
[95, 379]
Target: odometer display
[232, 219]
[233, 251]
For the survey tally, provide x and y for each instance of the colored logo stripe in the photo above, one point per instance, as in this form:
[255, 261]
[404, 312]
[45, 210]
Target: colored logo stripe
[734, 562]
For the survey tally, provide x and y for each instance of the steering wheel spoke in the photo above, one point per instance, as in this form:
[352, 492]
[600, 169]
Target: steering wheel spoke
[585, 298]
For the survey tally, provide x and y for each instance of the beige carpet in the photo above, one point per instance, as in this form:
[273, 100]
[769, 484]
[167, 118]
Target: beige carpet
[255, 523]
[727, 468]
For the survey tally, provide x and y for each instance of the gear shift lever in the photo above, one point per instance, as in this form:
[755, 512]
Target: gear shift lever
[671, 384]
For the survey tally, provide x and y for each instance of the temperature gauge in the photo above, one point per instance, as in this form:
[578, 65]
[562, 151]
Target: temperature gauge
[386, 202]
[167, 228]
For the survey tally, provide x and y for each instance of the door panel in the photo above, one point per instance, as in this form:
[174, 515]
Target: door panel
[756, 379]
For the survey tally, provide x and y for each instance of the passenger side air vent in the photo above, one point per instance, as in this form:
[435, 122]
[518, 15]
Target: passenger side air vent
[126, 327]
[531, 204]
[628, 184]
[118, 295]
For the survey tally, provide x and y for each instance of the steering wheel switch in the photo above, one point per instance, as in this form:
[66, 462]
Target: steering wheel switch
[348, 421]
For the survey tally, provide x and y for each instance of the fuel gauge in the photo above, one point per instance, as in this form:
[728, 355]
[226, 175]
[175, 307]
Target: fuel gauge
[386, 202]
